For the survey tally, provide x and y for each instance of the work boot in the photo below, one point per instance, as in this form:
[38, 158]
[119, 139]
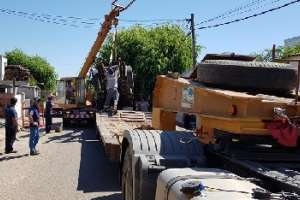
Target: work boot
[11, 151]
[114, 111]
[34, 153]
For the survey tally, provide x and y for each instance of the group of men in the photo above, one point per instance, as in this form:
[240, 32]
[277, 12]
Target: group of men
[11, 124]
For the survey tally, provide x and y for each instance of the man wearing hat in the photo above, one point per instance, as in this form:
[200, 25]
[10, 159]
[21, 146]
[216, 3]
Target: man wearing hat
[11, 126]
[34, 117]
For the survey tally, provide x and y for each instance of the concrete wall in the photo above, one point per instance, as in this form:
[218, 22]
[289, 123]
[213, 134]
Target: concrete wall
[30, 92]
[5, 100]
[22, 87]
[3, 64]
[294, 60]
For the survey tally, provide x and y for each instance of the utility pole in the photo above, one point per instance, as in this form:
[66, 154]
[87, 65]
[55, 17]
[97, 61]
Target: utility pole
[273, 53]
[194, 40]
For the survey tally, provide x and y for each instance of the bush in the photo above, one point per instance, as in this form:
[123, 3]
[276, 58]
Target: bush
[43, 74]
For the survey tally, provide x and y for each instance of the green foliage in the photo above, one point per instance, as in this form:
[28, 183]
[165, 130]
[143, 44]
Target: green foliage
[291, 51]
[280, 53]
[43, 74]
[151, 52]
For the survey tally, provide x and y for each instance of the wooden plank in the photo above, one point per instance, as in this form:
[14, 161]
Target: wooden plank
[111, 129]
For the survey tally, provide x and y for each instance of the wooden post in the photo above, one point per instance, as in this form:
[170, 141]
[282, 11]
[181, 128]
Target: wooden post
[193, 40]
[273, 53]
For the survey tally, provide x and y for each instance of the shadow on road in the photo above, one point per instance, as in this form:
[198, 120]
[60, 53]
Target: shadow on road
[6, 158]
[110, 197]
[68, 136]
[96, 173]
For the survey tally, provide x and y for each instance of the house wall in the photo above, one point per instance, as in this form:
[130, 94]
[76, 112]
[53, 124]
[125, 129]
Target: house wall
[30, 92]
[3, 64]
[294, 60]
[5, 100]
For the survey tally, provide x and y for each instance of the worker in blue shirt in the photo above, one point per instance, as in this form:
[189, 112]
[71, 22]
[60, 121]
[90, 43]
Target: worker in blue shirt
[34, 117]
[11, 126]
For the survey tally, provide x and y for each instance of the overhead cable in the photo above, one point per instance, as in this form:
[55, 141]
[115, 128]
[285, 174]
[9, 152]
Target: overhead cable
[249, 10]
[47, 18]
[250, 16]
[152, 20]
[234, 10]
[128, 5]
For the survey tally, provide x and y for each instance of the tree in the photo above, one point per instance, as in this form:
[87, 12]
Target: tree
[281, 52]
[151, 52]
[42, 72]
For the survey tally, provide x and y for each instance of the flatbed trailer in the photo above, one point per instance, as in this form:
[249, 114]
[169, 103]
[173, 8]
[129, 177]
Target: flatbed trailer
[111, 129]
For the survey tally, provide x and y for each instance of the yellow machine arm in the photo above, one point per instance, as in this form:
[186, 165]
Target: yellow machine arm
[109, 21]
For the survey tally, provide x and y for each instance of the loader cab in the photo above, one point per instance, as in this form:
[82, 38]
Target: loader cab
[71, 91]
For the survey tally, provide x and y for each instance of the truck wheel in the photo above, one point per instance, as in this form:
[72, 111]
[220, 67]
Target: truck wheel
[248, 76]
[127, 179]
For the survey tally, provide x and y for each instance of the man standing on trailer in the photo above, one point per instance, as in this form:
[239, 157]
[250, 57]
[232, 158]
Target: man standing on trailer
[112, 94]
[11, 126]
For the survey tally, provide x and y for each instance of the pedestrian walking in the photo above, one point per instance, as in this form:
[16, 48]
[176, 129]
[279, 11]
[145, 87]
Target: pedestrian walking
[48, 115]
[11, 126]
[34, 117]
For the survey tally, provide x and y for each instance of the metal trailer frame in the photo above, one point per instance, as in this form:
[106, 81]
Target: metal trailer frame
[215, 109]
[222, 115]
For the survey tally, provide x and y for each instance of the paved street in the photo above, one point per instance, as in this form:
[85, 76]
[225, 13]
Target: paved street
[72, 165]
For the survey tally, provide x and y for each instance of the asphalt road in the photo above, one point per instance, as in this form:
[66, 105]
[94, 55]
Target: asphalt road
[72, 165]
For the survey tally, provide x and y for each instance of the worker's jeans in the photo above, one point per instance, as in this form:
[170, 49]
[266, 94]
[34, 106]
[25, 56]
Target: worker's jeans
[112, 95]
[48, 123]
[34, 138]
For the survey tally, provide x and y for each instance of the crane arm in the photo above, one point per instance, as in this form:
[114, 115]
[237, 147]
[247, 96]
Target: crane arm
[106, 26]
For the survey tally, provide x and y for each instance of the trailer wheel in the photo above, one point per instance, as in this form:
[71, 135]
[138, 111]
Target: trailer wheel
[248, 76]
[127, 179]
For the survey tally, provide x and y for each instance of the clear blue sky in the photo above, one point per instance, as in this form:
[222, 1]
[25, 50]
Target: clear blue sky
[66, 47]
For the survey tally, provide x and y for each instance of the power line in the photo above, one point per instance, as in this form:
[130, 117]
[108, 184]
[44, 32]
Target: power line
[75, 22]
[250, 16]
[231, 11]
[243, 12]
[128, 5]
[49, 15]
[152, 20]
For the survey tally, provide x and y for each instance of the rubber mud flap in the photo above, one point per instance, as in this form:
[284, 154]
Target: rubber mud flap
[248, 76]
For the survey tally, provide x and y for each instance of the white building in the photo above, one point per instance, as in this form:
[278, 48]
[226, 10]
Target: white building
[3, 64]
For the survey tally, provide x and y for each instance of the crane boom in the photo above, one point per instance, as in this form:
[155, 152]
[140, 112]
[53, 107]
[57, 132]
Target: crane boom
[106, 26]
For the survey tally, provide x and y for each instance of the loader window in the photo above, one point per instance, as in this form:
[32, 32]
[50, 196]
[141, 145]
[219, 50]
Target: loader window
[61, 92]
[70, 96]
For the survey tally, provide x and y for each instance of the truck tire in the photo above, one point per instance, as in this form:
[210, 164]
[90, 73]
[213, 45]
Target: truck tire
[248, 76]
[127, 179]
[146, 153]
